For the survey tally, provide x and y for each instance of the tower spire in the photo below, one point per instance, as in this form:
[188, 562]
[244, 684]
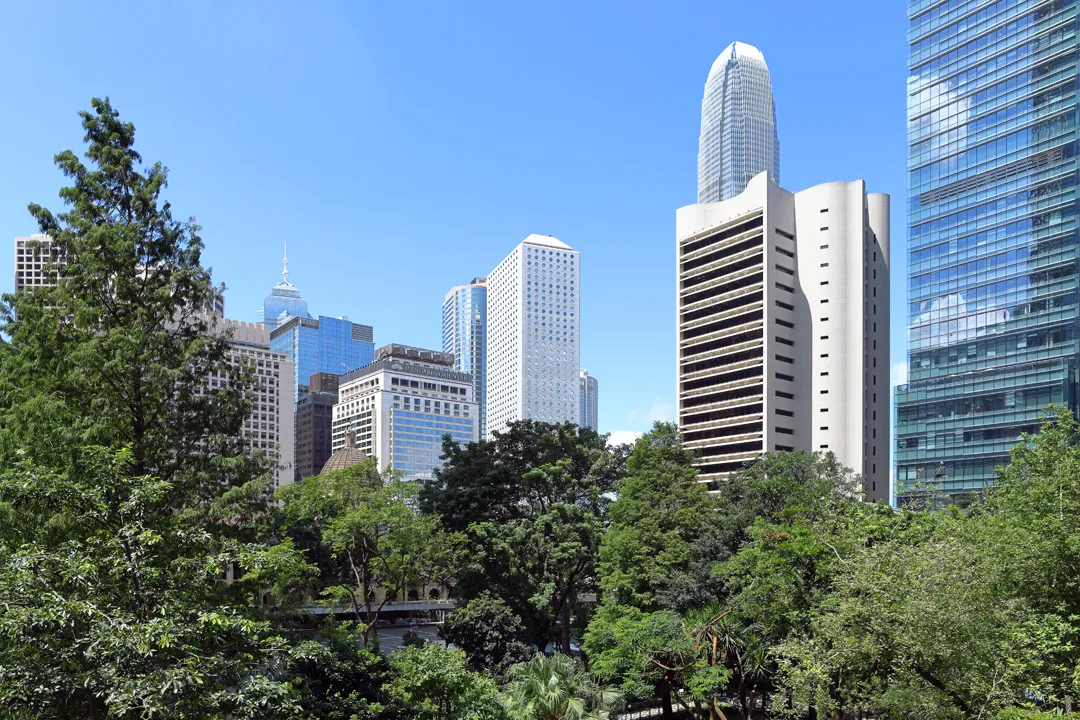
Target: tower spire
[285, 264]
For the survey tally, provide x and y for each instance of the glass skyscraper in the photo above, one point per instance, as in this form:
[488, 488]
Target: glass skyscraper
[283, 298]
[738, 125]
[464, 333]
[325, 344]
[992, 243]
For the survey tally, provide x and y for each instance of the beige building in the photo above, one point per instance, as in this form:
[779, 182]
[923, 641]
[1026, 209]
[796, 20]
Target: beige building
[783, 317]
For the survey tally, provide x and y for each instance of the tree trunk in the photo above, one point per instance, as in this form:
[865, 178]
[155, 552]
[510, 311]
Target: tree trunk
[665, 701]
[564, 628]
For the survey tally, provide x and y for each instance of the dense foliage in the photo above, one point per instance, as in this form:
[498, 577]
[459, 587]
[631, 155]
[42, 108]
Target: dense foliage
[148, 570]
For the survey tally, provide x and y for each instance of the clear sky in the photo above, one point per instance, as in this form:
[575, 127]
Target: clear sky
[401, 148]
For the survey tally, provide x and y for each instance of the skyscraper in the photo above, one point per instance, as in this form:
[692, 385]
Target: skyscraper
[314, 424]
[534, 334]
[783, 317]
[589, 394]
[402, 405]
[269, 428]
[283, 298]
[36, 261]
[992, 238]
[738, 125]
[323, 344]
[465, 335]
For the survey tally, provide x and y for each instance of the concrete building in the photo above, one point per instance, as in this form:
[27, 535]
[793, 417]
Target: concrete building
[738, 125]
[36, 262]
[534, 334]
[323, 344]
[783, 312]
[315, 424]
[283, 301]
[993, 228]
[465, 336]
[269, 429]
[589, 395]
[402, 405]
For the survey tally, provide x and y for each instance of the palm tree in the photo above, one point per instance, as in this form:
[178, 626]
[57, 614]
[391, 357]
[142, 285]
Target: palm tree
[558, 688]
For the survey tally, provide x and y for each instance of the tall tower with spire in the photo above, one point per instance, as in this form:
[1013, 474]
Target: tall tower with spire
[284, 299]
[738, 125]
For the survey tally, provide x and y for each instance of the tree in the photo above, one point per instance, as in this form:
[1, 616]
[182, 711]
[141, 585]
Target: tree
[380, 547]
[111, 603]
[489, 634]
[120, 352]
[660, 512]
[434, 684]
[532, 504]
[125, 488]
[335, 678]
[558, 688]
[493, 480]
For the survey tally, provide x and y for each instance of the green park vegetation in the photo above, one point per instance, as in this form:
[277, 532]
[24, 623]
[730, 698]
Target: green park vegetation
[126, 493]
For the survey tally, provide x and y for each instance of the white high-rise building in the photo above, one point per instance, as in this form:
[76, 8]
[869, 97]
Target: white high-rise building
[783, 317]
[589, 396]
[738, 125]
[534, 334]
[36, 262]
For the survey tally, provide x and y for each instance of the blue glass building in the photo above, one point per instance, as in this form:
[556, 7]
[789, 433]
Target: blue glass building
[325, 344]
[992, 211]
[284, 299]
[738, 125]
[464, 333]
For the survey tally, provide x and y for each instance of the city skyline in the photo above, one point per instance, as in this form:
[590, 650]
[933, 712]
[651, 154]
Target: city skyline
[572, 176]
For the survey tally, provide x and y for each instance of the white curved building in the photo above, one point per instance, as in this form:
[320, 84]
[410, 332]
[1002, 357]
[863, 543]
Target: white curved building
[783, 316]
[738, 125]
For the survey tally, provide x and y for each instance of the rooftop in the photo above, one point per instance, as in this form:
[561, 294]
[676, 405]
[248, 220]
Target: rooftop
[546, 241]
[736, 50]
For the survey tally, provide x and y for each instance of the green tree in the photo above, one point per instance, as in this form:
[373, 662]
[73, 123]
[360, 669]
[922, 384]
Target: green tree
[120, 352]
[379, 545]
[532, 504]
[434, 684]
[125, 488]
[660, 512]
[489, 634]
[558, 688]
[111, 603]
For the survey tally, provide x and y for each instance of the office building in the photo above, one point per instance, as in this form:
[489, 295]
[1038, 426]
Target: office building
[992, 237]
[783, 317]
[36, 262]
[402, 405]
[588, 394]
[738, 125]
[269, 428]
[464, 334]
[534, 334]
[315, 424]
[283, 301]
[323, 344]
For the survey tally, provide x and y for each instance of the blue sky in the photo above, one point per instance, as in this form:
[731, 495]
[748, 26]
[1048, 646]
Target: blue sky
[403, 148]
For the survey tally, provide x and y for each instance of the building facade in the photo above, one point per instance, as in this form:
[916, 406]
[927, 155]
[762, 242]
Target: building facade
[315, 424]
[534, 334]
[589, 395]
[738, 125]
[992, 237]
[36, 262]
[783, 311]
[402, 405]
[269, 428]
[323, 344]
[283, 301]
[464, 334]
